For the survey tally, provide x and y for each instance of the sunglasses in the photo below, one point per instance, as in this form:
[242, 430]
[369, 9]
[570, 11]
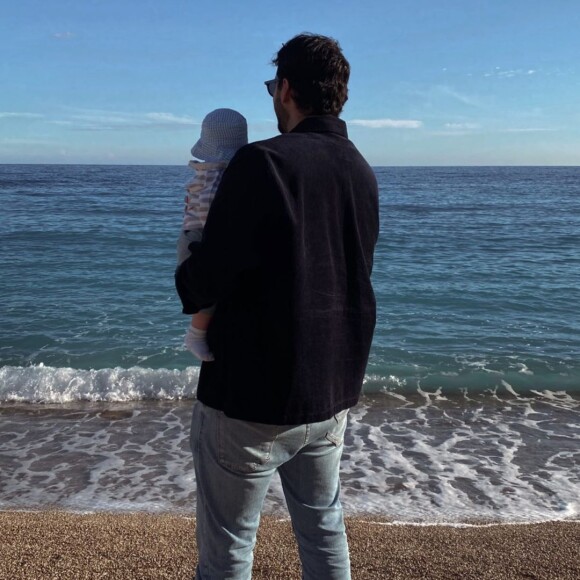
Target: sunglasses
[271, 86]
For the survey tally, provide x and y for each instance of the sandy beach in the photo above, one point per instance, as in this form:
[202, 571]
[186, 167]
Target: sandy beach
[60, 545]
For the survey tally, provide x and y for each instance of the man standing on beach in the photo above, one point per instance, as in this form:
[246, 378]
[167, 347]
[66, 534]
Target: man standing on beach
[286, 255]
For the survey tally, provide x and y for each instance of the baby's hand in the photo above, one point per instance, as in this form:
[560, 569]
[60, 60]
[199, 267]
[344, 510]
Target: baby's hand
[195, 342]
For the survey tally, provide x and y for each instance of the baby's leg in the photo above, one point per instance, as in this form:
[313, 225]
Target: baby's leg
[201, 320]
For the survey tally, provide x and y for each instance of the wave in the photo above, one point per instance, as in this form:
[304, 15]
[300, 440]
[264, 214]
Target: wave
[61, 385]
[43, 384]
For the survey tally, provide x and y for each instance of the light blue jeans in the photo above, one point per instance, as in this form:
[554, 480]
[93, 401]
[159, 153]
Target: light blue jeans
[234, 462]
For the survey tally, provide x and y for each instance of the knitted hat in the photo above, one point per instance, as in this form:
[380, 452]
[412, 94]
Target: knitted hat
[223, 132]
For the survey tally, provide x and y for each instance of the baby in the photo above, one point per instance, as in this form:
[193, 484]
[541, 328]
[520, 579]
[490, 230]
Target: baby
[223, 132]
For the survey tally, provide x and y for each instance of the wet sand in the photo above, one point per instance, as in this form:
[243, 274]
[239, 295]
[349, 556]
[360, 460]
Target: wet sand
[59, 545]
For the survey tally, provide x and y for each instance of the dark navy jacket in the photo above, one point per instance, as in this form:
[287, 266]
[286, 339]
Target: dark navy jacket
[286, 256]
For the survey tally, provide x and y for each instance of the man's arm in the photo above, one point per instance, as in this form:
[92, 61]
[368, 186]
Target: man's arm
[228, 245]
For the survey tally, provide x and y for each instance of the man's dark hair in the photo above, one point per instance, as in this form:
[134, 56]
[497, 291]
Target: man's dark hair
[317, 72]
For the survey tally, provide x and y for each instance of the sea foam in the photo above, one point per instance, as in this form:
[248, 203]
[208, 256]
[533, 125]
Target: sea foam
[43, 384]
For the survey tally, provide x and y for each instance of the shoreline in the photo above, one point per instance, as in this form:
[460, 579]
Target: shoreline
[376, 519]
[58, 544]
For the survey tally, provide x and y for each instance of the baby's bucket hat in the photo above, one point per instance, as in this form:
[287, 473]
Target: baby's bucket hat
[223, 132]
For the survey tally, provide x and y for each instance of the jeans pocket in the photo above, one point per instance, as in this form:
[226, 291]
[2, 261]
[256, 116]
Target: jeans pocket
[243, 446]
[335, 433]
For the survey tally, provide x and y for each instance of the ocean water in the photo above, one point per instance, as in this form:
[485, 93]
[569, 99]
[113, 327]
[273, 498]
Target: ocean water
[471, 406]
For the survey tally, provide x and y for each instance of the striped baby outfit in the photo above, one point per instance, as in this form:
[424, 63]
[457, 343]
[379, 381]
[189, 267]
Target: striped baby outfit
[200, 193]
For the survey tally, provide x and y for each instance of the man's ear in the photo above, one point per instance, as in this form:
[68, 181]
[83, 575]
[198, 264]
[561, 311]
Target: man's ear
[285, 91]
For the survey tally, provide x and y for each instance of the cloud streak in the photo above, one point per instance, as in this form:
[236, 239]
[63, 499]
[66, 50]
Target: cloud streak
[9, 115]
[63, 35]
[527, 130]
[498, 72]
[95, 120]
[458, 96]
[387, 123]
[462, 126]
[463, 129]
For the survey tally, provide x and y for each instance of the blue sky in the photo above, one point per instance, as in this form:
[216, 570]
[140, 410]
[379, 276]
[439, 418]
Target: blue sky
[434, 82]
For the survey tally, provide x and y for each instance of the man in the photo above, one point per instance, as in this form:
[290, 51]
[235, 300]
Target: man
[286, 255]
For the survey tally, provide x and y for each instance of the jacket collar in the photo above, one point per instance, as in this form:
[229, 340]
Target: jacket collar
[321, 124]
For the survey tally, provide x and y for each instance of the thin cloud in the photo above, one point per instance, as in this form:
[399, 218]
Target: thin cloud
[458, 96]
[503, 74]
[462, 126]
[463, 129]
[63, 35]
[387, 123]
[527, 130]
[95, 120]
[451, 133]
[10, 115]
[170, 118]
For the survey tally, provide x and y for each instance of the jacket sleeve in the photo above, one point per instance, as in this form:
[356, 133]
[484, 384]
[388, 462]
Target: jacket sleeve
[228, 247]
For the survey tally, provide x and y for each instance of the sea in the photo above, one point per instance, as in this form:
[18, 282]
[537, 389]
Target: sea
[471, 400]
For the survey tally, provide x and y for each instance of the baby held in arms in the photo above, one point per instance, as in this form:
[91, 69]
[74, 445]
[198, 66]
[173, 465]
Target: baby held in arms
[223, 132]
